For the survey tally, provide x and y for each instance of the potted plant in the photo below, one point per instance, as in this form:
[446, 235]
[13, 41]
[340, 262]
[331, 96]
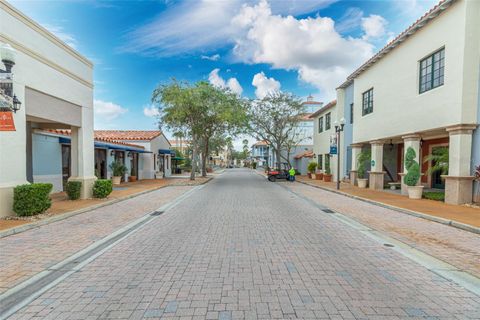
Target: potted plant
[311, 169]
[118, 171]
[413, 175]
[132, 177]
[318, 175]
[327, 176]
[363, 157]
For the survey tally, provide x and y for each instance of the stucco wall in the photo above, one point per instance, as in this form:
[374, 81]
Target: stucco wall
[398, 107]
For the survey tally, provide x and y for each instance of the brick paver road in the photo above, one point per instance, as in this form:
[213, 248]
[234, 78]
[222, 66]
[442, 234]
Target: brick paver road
[28, 253]
[243, 248]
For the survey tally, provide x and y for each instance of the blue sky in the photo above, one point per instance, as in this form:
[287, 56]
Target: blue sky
[252, 46]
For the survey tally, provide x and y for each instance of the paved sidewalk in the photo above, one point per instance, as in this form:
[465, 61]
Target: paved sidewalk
[243, 248]
[25, 254]
[462, 214]
[456, 247]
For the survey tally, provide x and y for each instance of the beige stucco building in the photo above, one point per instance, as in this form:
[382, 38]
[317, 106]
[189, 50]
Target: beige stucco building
[422, 91]
[55, 85]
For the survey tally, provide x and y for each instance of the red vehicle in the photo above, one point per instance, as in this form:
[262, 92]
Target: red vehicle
[274, 174]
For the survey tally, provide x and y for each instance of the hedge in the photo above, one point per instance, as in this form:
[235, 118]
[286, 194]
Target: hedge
[102, 188]
[31, 199]
[73, 189]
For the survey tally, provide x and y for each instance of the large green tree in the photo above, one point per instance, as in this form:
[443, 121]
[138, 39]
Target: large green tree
[180, 110]
[275, 119]
[201, 111]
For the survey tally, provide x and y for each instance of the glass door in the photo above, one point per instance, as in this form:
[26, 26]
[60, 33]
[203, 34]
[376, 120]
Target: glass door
[66, 164]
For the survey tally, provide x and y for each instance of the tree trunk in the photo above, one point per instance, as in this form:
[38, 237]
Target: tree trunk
[204, 159]
[279, 159]
[194, 161]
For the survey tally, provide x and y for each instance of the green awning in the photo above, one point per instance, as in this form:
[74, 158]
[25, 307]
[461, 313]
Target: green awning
[178, 158]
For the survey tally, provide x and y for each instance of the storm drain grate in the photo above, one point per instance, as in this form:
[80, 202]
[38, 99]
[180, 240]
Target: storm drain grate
[328, 210]
[388, 245]
[156, 213]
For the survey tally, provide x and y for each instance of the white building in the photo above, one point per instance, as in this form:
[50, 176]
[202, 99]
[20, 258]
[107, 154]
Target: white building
[55, 85]
[157, 161]
[324, 136]
[422, 91]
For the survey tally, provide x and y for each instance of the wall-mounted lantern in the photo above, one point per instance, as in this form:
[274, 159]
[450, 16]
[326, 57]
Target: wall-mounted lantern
[8, 100]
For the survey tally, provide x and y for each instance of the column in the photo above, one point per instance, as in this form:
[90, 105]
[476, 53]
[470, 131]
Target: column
[82, 155]
[459, 182]
[356, 150]
[410, 141]
[376, 171]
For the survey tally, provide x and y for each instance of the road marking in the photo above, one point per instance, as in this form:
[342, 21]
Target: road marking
[21, 295]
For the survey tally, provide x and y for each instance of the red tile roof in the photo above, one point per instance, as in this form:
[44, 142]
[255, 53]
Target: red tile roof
[327, 106]
[68, 132]
[305, 154]
[115, 135]
[260, 143]
[417, 25]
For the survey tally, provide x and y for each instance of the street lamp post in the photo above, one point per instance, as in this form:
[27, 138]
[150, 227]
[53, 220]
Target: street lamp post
[338, 129]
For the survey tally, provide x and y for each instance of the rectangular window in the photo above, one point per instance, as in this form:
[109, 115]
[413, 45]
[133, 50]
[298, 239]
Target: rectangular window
[320, 125]
[367, 102]
[327, 121]
[432, 70]
[351, 113]
[320, 162]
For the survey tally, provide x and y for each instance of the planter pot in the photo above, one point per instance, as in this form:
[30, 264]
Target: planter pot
[415, 192]
[132, 178]
[314, 176]
[318, 176]
[362, 183]
[116, 180]
[309, 174]
[327, 177]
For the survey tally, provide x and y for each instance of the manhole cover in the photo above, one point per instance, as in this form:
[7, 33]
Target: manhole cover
[388, 245]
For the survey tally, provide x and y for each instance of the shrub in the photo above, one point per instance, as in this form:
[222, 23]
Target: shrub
[118, 169]
[409, 157]
[413, 168]
[312, 166]
[102, 188]
[31, 199]
[73, 189]
[438, 196]
[362, 158]
[254, 165]
[328, 170]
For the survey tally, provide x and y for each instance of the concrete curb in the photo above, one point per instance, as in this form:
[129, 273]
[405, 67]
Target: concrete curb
[447, 222]
[59, 217]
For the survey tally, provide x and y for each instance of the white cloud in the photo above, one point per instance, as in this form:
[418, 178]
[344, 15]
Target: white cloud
[107, 111]
[66, 37]
[192, 26]
[311, 46]
[214, 57]
[374, 26]
[215, 79]
[151, 111]
[264, 85]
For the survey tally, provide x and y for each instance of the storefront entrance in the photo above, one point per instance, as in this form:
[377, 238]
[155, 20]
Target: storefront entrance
[66, 165]
[101, 163]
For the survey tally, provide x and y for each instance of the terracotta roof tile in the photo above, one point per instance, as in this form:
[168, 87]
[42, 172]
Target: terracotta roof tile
[127, 134]
[68, 132]
[305, 154]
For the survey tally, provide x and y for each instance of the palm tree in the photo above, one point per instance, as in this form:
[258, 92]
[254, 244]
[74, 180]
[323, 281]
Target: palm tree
[439, 159]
